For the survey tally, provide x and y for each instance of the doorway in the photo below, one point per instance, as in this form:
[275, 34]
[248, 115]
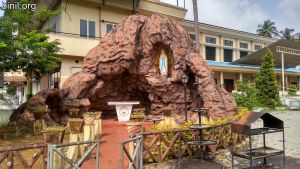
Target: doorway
[229, 84]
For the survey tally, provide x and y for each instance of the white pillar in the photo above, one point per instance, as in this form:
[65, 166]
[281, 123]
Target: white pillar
[282, 73]
[240, 76]
[222, 79]
[287, 81]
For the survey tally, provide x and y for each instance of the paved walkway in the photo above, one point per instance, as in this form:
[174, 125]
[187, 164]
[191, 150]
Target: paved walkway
[113, 133]
[291, 121]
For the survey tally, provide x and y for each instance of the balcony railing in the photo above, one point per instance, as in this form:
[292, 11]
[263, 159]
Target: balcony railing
[178, 3]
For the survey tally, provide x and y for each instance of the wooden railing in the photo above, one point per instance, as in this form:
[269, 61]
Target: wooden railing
[159, 146]
[12, 155]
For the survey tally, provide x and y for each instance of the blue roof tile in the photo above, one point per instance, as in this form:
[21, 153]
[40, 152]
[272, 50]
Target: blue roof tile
[236, 65]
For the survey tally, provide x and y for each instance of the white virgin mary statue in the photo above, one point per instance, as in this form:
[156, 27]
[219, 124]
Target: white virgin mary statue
[163, 63]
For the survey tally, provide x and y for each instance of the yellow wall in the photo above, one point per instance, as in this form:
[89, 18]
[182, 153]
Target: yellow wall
[69, 66]
[70, 18]
[111, 15]
[220, 45]
[148, 7]
[74, 45]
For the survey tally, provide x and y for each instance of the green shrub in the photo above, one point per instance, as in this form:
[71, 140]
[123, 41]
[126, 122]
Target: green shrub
[292, 90]
[10, 89]
[10, 131]
[247, 96]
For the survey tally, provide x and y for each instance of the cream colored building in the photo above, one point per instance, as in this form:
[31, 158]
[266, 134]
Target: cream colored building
[82, 23]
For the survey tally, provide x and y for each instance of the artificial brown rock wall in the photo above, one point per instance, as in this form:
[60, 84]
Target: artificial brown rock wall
[125, 66]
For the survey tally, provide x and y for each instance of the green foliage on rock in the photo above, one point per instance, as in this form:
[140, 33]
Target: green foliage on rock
[247, 95]
[54, 129]
[292, 90]
[266, 83]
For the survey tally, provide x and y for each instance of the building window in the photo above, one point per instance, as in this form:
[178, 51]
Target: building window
[210, 40]
[87, 28]
[109, 27]
[193, 37]
[243, 54]
[243, 45]
[228, 43]
[257, 47]
[228, 55]
[92, 27]
[210, 53]
[83, 27]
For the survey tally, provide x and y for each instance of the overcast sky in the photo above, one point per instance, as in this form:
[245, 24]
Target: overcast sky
[1, 11]
[243, 15]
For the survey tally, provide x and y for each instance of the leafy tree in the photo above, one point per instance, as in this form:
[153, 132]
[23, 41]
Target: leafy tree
[296, 36]
[287, 33]
[267, 29]
[30, 51]
[247, 95]
[266, 83]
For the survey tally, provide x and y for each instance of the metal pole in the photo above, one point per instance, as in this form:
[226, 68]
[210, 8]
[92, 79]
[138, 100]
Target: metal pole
[97, 156]
[264, 140]
[250, 144]
[283, 146]
[141, 152]
[50, 157]
[196, 23]
[122, 157]
[185, 103]
[232, 163]
[282, 72]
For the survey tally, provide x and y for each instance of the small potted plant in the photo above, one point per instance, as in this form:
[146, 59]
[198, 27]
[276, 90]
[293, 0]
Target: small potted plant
[98, 114]
[137, 117]
[39, 112]
[76, 125]
[89, 118]
[54, 134]
[167, 111]
[74, 112]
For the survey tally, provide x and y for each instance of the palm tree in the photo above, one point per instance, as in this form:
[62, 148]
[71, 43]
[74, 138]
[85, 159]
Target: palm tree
[267, 29]
[196, 23]
[287, 34]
